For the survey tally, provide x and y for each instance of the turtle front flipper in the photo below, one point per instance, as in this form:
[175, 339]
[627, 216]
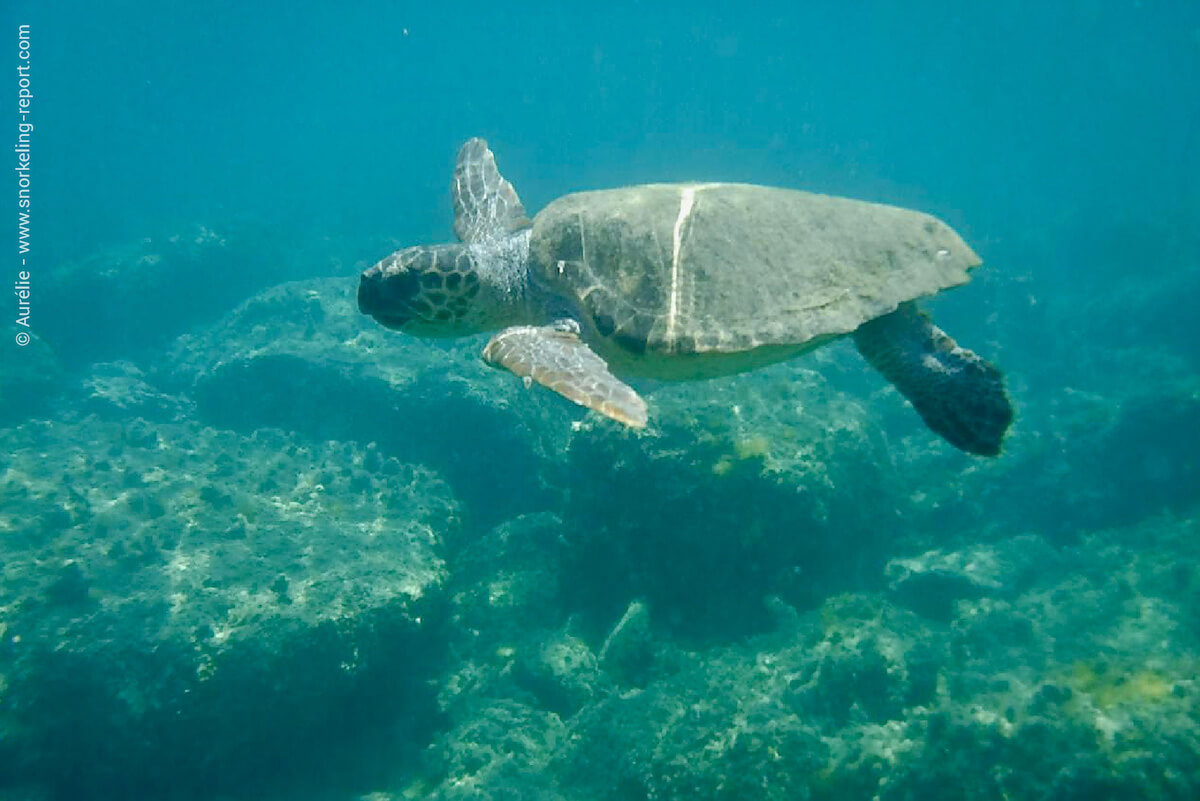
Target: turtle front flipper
[555, 357]
[486, 206]
[959, 395]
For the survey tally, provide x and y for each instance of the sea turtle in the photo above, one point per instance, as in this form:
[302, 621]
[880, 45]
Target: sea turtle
[691, 281]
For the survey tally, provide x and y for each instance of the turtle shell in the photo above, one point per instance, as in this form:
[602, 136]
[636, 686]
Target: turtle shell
[723, 268]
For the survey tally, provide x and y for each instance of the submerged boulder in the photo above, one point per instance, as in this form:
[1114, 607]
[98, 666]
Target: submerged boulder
[300, 356]
[31, 379]
[120, 391]
[1045, 673]
[127, 301]
[932, 583]
[180, 604]
[740, 488]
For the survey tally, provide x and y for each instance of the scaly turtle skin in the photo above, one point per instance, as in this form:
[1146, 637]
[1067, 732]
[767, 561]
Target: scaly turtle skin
[691, 281]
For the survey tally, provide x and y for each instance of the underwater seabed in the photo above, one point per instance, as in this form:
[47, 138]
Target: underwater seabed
[272, 550]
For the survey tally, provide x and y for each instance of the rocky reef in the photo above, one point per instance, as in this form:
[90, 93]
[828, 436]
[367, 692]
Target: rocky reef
[175, 596]
[1071, 679]
[300, 357]
[269, 549]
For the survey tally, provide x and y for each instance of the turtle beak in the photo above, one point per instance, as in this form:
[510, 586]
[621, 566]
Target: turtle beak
[375, 299]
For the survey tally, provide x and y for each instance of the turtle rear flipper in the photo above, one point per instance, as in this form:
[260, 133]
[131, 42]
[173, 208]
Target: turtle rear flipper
[555, 357]
[960, 396]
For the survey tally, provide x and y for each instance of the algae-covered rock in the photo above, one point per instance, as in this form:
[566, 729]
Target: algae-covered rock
[932, 582]
[1082, 686]
[774, 483]
[127, 301]
[505, 584]
[499, 755]
[561, 672]
[181, 604]
[508, 629]
[120, 391]
[31, 378]
[300, 356]
[760, 720]
[1062, 673]
[1079, 683]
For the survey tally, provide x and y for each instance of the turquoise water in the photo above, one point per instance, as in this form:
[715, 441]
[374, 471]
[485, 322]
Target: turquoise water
[255, 545]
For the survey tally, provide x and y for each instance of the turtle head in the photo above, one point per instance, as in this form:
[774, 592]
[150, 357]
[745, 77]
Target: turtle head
[426, 290]
[455, 290]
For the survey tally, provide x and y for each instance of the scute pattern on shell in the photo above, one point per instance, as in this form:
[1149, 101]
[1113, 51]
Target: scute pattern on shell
[696, 268]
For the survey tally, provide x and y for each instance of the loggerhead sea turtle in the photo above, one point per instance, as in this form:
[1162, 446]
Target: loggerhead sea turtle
[691, 281]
